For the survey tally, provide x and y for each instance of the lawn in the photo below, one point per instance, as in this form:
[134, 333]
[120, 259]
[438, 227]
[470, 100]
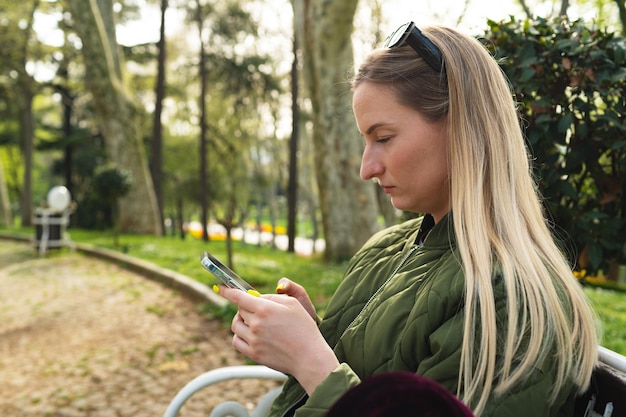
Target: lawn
[262, 266]
[610, 305]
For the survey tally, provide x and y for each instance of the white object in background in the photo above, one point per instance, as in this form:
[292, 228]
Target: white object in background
[59, 198]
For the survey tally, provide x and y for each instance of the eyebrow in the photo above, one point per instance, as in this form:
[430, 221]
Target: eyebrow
[373, 127]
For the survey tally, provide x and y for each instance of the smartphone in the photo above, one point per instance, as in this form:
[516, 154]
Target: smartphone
[225, 274]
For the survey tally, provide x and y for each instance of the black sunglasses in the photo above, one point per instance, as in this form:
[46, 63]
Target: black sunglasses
[425, 48]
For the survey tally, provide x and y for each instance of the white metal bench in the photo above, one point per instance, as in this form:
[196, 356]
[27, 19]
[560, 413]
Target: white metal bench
[605, 398]
[229, 408]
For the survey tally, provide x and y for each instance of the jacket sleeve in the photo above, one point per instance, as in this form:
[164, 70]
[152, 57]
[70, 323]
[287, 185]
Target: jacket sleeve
[330, 390]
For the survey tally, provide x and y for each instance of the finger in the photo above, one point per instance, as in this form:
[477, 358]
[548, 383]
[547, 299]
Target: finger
[245, 316]
[281, 286]
[288, 287]
[241, 299]
[240, 344]
[240, 328]
[228, 293]
[277, 298]
[237, 319]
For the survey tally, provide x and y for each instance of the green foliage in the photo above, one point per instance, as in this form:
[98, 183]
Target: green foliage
[570, 81]
[111, 182]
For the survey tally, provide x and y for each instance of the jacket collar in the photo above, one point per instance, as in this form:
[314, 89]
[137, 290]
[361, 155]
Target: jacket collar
[434, 234]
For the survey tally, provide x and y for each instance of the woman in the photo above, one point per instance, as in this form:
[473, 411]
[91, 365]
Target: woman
[475, 295]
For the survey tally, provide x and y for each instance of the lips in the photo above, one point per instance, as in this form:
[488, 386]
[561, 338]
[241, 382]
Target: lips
[387, 188]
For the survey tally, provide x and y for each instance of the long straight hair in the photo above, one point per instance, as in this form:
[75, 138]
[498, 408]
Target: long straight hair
[499, 223]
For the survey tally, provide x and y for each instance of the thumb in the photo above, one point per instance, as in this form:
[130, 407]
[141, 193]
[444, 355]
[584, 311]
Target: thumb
[283, 286]
[288, 287]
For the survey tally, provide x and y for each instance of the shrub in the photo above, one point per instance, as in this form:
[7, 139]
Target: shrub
[570, 81]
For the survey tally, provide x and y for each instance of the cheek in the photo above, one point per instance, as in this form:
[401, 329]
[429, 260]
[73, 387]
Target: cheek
[440, 175]
[438, 160]
[428, 170]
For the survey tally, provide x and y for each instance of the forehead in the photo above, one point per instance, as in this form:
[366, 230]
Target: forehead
[372, 99]
[374, 103]
[372, 92]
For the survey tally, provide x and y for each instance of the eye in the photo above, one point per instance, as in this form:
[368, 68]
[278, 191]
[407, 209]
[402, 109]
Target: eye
[383, 140]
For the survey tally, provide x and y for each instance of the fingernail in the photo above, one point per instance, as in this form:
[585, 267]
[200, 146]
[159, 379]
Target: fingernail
[216, 289]
[280, 287]
[254, 292]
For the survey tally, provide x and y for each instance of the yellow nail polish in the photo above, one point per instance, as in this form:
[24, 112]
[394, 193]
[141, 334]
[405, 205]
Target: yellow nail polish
[253, 292]
[216, 289]
[280, 287]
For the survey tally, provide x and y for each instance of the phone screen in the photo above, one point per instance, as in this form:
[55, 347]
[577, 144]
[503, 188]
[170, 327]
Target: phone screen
[225, 274]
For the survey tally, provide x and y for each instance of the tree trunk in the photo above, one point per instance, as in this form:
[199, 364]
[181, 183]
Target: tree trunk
[68, 129]
[621, 8]
[204, 183]
[156, 166]
[229, 247]
[347, 203]
[67, 106]
[564, 7]
[292, 189]
[116, 112]
[24, 98]
[527, 11]
[180, 217]
[6, 218]
[27, 134]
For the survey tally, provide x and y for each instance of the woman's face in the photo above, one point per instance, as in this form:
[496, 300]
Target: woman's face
[404, 152]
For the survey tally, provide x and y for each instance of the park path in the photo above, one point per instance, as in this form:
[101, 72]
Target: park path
[80, 337]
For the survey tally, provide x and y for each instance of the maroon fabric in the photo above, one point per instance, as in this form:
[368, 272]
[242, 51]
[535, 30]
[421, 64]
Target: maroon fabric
[399, 394]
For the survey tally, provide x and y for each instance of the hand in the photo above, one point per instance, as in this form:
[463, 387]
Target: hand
[277, 331]
[297, 291]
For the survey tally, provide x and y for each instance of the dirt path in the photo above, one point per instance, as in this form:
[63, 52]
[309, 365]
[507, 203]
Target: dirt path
[81, 337]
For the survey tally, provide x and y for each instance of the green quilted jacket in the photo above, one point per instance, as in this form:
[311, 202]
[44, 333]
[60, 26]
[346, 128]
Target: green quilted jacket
[400, 307]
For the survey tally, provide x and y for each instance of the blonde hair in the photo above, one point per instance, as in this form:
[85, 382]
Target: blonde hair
[498, 222]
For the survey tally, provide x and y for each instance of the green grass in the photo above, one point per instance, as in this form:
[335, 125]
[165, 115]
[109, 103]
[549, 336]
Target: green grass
[263, 267]
[610, 305]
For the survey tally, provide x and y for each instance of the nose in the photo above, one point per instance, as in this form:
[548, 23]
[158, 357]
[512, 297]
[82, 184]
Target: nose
[371, 166]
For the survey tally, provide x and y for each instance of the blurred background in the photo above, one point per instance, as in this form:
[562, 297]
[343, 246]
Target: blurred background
[231, 119]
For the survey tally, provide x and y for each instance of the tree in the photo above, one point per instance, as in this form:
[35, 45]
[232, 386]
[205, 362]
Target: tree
[69, 138]
[180, 180]
[111, 183]
[116, 111]
[235, 81]
[156, 157]
[230, 190]
[7, 113]
[605, 13]
[5, 206]
[16, 31]
[347, 203]
[621, 9]
[202, 69]
[292, 188]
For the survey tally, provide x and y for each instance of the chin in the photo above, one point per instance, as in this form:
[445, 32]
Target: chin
[402, 207]
[407, 208]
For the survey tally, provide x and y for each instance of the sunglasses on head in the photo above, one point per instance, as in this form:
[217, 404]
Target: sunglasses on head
[409, 33]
